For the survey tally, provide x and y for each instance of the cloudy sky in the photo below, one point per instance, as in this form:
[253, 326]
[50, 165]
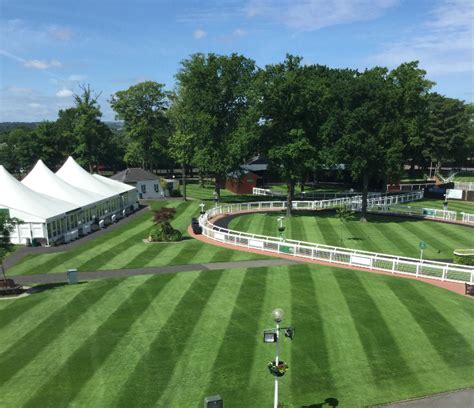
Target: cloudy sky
[49, 47]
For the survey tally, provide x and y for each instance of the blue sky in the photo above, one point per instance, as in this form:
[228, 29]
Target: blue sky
[49, 47]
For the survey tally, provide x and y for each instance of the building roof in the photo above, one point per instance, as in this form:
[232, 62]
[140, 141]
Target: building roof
[43, 180]
[134, 174]
[28, 205]
[117, 185]
[257, 163]
[240, 173]
[75, 175]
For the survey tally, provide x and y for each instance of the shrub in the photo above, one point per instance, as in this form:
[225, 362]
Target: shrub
[162, 230]
[464, 257]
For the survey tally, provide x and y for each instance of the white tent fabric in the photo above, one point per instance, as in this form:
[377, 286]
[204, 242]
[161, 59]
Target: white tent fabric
[119, 186]
[75, 175]
[28, 205]
[43, 180]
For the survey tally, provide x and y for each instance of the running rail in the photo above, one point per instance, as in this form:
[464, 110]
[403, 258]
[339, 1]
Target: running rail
[335, 255]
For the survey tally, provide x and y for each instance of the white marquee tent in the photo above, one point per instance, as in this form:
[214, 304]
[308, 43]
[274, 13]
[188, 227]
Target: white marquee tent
[61, 207]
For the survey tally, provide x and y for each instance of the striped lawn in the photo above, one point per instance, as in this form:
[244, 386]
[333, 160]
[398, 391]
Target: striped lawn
[124, 248]
[169, 340]
[391, 235]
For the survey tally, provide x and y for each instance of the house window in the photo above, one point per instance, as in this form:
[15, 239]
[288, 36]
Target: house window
[157, 188]
[143, 188]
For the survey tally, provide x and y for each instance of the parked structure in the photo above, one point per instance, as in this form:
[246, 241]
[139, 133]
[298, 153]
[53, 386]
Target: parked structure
[241, 182]
[56, 208]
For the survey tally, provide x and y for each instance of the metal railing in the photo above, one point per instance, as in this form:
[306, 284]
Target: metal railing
[331, 254]
[467, 218]
[309, 194]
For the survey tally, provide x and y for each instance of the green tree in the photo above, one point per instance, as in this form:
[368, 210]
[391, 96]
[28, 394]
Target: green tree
[288, 103]
[143, 108]
[7, 225]
[448, 130]
[214, 93]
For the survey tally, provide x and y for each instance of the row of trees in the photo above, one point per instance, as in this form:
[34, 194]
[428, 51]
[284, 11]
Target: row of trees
[225, 109]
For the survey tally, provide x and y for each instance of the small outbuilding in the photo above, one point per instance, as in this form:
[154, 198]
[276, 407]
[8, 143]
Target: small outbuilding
[147, 184]
[241, 182]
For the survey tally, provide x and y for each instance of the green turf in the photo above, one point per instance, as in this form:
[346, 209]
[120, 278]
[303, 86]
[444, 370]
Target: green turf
[453, 205]
[390, 235]
[169, 340]
[124, 248]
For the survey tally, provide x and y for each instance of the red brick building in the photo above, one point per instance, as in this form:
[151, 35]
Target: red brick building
[241, 182]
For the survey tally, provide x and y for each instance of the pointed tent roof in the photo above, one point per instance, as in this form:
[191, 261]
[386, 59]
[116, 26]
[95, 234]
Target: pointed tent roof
[119, 186]
[75, 175]
[43, 180]
[30, 205]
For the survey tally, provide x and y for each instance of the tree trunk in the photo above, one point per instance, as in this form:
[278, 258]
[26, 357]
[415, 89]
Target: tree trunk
[217, 188]
[3, 271]
[183, 175]
[289, 197]
[365, 189]
[201, 179]
[384, 183]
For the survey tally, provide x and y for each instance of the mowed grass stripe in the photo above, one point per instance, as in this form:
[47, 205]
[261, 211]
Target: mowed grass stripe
[386, 359]
[309, 321]
[398, 243]
[152, 374]
[228, 369]
[33, 342]
[208, 333]
[108, 379]
[64, 386]
[424, 234]
[450, 344]
[14, 310]
[331, 237]
[456, 236]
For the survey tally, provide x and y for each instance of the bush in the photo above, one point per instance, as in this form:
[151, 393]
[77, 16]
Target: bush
[176, 193]
[164, 232]
[464, 257]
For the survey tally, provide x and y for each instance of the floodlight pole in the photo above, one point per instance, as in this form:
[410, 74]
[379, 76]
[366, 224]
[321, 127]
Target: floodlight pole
[275, 403]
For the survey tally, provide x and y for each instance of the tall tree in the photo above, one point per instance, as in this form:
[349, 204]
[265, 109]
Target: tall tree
[7, 225]
[448, 130]
[291, 115]
[143, 108]
[369, 141]
[214, 94]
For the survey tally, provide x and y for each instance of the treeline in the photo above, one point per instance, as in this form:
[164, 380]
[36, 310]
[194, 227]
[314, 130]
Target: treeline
[225, 109]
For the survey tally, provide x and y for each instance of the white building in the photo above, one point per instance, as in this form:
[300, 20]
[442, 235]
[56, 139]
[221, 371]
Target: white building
[147, 184]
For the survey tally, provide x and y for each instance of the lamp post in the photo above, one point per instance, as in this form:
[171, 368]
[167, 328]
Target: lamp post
[278, 367]
[281, 228]
[202, 208]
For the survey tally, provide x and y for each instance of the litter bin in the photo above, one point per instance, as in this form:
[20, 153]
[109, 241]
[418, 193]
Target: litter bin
[214, 401]
[72, 276]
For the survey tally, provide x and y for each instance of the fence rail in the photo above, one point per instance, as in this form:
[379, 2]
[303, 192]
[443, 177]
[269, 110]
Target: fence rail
[309, 194]
[467, 218]
[331, 254]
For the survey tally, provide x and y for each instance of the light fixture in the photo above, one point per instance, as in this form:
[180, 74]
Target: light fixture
[277, 315]
[290, 332]
[270, 336]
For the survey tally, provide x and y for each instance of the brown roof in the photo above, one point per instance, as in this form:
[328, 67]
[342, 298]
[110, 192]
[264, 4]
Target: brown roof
[134, 174]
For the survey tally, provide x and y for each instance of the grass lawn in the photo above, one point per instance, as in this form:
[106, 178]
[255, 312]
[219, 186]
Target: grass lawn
[453, 205]
[124, 248]
[391, 235]
[169, 340]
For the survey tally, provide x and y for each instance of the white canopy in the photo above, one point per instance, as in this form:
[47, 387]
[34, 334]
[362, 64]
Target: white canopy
[43, 180]
[75, 175]
[117, 185]
[26, 204]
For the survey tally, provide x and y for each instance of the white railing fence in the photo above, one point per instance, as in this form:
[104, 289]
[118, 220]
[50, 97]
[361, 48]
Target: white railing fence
[467, 218]
[307, 195]
[331, 254]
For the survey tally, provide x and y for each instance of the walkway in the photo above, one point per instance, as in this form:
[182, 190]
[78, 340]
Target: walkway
[48, 278]
[455, 399]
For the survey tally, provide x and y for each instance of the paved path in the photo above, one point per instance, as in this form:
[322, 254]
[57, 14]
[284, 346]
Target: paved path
[455, 399]
[19, 254]
[85, 276]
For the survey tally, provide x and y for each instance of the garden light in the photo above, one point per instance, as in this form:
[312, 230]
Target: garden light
[277, 315]
[270, 336]
[290, 332]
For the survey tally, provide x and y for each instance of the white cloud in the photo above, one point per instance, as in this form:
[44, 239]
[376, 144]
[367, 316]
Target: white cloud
[60, 33]
[35, 105]
[76, 77]
[198, 34]
[443, 44]
[239, 32]
[42, 64]
[311, 15]
[64, 93]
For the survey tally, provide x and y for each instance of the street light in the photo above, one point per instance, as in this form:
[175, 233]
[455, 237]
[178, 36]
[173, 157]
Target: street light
[202, 208]
[281, 228]
[277, 368]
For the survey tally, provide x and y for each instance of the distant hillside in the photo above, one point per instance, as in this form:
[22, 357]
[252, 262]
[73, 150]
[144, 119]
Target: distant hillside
[6, 126]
